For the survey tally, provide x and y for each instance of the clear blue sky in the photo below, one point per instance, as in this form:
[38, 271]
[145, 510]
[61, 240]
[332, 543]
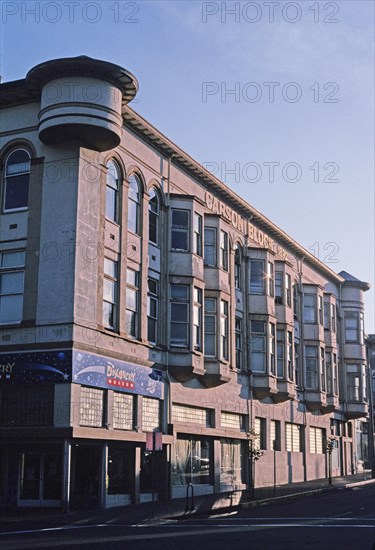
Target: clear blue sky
[322, 123]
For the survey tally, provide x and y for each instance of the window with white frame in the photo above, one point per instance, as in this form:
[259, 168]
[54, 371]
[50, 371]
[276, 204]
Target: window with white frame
[197, 318]
[224, 330]
[180, 230]
[290, 354]
[123, 411]
[238, 336]
[322, 370]
[258, 346]
[271, 348]
[270, 279]
[224, 250]
[288, 290]
[311, 360]
[329, 372]
[180, 316]
[132, 303]
[197, 234]
[260, 430]
[12, 272]
[152, 310]
[275, 439]
[17, 178]
[333, 318]
[256, 276]
[153, 217]
[326, 315]
[237, 268]
[279, 287]
[335, 374]
[150, 414]
[91, 407]
[320, 309]
[356, 382]
[134, 204]
[354, 330]
[112, 192]
[293, 437]
[110, 293]
[280, 353]
[295, 300]
[210, 246]
[210, 323]
[316, 440]
[309, 308]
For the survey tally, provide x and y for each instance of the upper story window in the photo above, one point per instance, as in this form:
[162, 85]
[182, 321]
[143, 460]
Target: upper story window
[271, 335]
[197, 317]
[309, 308]
[270, 278]
[210, 319]
[152, 310]
[153, 217]
[295, 300]
[326, 315]
[238, 339]
[17, 177]
[11, 286]
[224, 330]
[224, 250]
[280, 353]
[354, 327]
[279, 287]
[237, 267]
[197, 234]
[180, 230]
[311, 359]
[132, 302]
[180, 316]
[257, 277]
[258, 346]
[333, 318]
[112, 211]
[133, 204]
[320, 302]
[110, 293]
[288, 290]
[210, 246]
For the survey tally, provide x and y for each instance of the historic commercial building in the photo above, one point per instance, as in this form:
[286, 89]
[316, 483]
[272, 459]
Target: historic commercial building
[145, 305]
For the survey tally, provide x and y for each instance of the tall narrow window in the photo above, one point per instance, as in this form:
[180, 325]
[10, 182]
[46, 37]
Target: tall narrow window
[295, 300]
[288, 290]
[335, 375]
[272, 335]
[180, 230]
[297, 376]
[293, 436]
[197, 317]
[110, 293]
[238, 330]
[326, 315]
[275, 435]
[351, 326]
[309, 308]
[210, 322]
[329, 372]
[224, 250]
[153, 217]
[132, 302]
[237, 268]
[197, 234]
[133, 204]
[11, 286]
[333, 318]
[322, 370]
[279, 290]
[320, 302]
[258, 346]
[224, 329]
[256, 277]
[353, 382]
[112, 192]
[290, 355]
[270, 279]
[210, 246]
[17, 176]
[152, 310]
[280, 353]
[180, 316]
[311, 354]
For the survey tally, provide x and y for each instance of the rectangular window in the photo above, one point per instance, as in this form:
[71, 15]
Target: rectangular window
[320, 302]
[30, 405]
[351, 326]
[275, 439]
[197, 234]
[258, 346]
[123, 411]
[288, 288]
[329, 372]
[191, 415]
[290, 355]
[280, 353]
[295, 301]
[296, 365]
[180, 316]
[292, 437]
[197, 317]
[238, 329]
[260, 430]
[309, 308]
[224, 250]
[180, 230]
[326, 315]
[152, 310]
[311, 355]
[353, 382]
[11, 286]
[210, 247]
[270, 279]
[110, 293]
[91, 407]
[322, 370]
[210, 323]
[232, 420]
[256, 277]
[232, 463]
[272, 348]
[333, 318]
[335, 375]
[316, 440]
[279, 290]
[193, 461]
[224, 329]
[150, 414]
[132, 303]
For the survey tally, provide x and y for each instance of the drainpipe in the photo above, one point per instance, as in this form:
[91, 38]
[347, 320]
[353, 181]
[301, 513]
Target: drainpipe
[302, 362]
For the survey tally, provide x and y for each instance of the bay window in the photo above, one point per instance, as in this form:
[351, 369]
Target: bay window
[270, 279]
[197, 318]
[279, 287]
[309, 308]
[224, 250]
[210, 321]
[224, 330]
[311, 361]
[258, 346]
[210, 246]
[197, 234]
[271, 328]
[280, 353]
[256, 277]
[180, 316]
[180, 231]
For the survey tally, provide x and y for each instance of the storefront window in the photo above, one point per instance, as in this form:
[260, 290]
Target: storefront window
[192, 462]
[231, 471]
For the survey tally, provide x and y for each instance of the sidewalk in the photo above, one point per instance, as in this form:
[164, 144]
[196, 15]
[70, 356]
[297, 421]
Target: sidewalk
[153, 513]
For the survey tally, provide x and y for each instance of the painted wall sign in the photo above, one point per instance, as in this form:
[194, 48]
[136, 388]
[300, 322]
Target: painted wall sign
[256, 235]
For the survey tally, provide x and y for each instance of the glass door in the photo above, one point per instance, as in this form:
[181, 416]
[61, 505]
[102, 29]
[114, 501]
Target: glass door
[40, 479]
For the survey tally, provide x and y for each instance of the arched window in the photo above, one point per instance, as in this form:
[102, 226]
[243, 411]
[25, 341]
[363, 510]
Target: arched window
[237, 267]
[153, 217]
[133, 205]
[17, 176]
[112, 192]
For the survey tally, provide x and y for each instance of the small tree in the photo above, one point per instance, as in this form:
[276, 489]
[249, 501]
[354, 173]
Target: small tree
[255, 453]
[330, 445]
